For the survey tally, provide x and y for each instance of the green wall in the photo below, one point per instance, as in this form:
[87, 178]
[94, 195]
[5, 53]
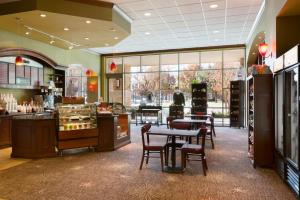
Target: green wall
[61, 56]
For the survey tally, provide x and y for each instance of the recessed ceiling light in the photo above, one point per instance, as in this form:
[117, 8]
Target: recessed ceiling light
[112, 29]
[52, 42]
[70, 47]
[29, 28]
[256, 45]
[116, 38]
[43, 15]
[27, 33]
[147, 33]
[88, 21]
[216, 31]
[253, 53]
[147, 14]
[106, 44]
[66, 29]
[213, 6]
[86, 38]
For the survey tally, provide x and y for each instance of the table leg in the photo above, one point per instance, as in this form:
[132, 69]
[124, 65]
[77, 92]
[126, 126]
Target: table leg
[136, 118]
[173, 153]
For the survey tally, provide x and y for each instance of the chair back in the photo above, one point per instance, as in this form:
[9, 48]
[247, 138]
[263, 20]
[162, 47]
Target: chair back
[203, 131]
[180, 126]
[144, 130]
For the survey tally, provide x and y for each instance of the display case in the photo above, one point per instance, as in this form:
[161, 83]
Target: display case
[237, 103]
[77, 124]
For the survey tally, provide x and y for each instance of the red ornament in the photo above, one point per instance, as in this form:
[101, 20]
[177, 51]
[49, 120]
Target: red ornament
[263, 49]
[19, 61]
[113, 67]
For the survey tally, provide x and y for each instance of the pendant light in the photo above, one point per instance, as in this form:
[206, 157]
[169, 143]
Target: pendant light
[263, 49]
[19, 59]
[113, 66]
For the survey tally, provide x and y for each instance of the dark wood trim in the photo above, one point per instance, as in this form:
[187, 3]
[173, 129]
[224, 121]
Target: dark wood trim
[177, 50]
[30, 54]
[95, 3]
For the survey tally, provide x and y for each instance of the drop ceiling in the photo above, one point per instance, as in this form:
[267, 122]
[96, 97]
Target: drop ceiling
[185, 24]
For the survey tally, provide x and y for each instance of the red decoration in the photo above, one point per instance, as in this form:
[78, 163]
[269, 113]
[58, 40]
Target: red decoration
[263, 49]
[89, 72]
[113, 67]
[92, 86]
[19, 60]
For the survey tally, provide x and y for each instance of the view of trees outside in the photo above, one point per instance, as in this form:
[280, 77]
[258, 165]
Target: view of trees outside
[151, 79]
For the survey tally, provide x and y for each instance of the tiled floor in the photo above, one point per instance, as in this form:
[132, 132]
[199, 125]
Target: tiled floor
[7, 162]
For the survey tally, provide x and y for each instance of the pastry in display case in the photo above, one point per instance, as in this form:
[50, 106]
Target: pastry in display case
[77, 124]
[76, 117]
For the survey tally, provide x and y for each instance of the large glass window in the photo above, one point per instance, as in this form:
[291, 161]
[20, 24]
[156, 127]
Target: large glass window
[151, 79]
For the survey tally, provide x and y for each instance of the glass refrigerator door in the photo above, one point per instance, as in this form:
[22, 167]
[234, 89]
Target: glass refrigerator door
[292, 110]
[279, 113]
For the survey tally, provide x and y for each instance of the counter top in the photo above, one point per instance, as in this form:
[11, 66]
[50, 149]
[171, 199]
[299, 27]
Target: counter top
[21, 115]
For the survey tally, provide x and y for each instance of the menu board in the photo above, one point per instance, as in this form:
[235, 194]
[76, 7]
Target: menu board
[12, 73]
[3, 73]
[34, 76]
[41, 76]
[27, 72]
[20, 71]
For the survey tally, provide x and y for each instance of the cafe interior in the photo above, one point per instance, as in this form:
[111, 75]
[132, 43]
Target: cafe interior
[149, 99]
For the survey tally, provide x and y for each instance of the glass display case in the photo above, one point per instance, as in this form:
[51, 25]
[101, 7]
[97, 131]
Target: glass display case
[77, 117]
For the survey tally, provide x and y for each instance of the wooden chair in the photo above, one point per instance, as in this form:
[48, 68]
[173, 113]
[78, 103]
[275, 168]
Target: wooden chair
[188, 151]
[151, 148]
[211, 123]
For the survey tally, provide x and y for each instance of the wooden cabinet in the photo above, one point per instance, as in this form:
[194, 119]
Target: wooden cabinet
[237, 103]
[261, 119]
[199, 98]
[5, 131]
[114, 131]
[33, 138]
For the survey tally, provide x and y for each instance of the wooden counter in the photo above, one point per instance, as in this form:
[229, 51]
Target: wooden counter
[33, 136]
[114, 131]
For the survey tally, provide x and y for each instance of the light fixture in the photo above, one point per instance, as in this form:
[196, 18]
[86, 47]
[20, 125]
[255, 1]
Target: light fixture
[70, 47]
[66, 29]
[147, 33]
[106, 44]
[52, 41]
[19, 59]
[217, 40]
[147, 14]
[213, 6]
[113, 66]
[216, 31]
[112, 29]
[27, 33]
[43, 15]
[88, 21]
[86, 38]
[263, 49]
[116, 38]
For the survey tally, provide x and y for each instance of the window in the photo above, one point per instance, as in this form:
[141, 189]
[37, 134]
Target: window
[151, 79]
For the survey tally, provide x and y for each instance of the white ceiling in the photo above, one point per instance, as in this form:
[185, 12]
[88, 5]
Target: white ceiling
[185, 23]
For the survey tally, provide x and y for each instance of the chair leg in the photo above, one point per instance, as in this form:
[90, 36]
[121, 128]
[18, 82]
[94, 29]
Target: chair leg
[167, 155]
[142, 161]
[213, 129]
[162, 160]
[212, 142]
[204, 169]
[147, 159]
[182, 160]
[205, 163]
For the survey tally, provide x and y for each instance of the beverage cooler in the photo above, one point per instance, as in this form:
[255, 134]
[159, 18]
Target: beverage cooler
[287, 99]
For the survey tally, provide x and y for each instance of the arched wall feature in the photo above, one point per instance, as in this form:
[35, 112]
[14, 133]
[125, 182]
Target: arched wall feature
[253, 53]
[30, 54]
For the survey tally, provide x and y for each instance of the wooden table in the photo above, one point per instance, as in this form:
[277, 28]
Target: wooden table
[148, 110]
[193, 122]
[173, 134]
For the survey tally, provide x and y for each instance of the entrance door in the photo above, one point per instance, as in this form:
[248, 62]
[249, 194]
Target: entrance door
[115, 89]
